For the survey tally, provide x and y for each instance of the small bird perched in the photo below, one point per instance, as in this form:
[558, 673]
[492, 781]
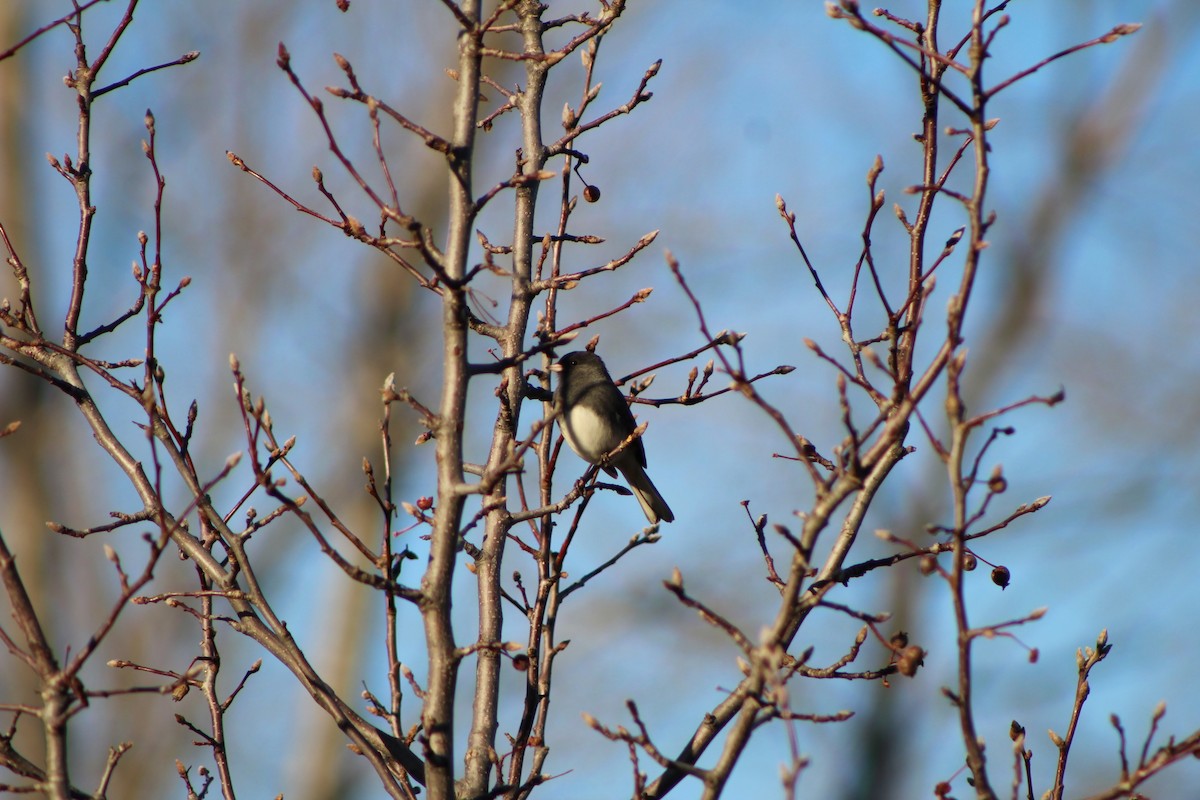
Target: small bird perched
[595, 420]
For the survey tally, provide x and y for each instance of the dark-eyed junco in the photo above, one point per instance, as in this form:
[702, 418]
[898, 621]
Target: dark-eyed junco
[595, 419]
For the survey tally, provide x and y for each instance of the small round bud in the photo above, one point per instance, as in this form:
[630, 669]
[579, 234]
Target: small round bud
[910, 660]
[997, 483]
[1001, 576]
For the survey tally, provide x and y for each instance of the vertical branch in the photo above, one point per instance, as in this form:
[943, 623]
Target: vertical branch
[975, 205]
[81, 174]
[391, 621]
[212, 666]
[481, 742]
[976, 759]
[40, 658]
[80, 177]
[542, 612]
[930, 83]
[438, 712]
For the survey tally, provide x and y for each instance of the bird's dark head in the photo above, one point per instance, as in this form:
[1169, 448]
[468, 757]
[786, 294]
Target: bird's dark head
[576, 359]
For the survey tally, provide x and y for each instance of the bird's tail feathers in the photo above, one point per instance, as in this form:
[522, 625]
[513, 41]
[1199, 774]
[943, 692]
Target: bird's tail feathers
[653, 504]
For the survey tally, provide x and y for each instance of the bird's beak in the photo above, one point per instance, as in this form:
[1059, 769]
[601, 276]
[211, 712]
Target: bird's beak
[556, 367]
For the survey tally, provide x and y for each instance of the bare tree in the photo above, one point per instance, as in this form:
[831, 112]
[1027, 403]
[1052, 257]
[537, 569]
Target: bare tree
[440, 713]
